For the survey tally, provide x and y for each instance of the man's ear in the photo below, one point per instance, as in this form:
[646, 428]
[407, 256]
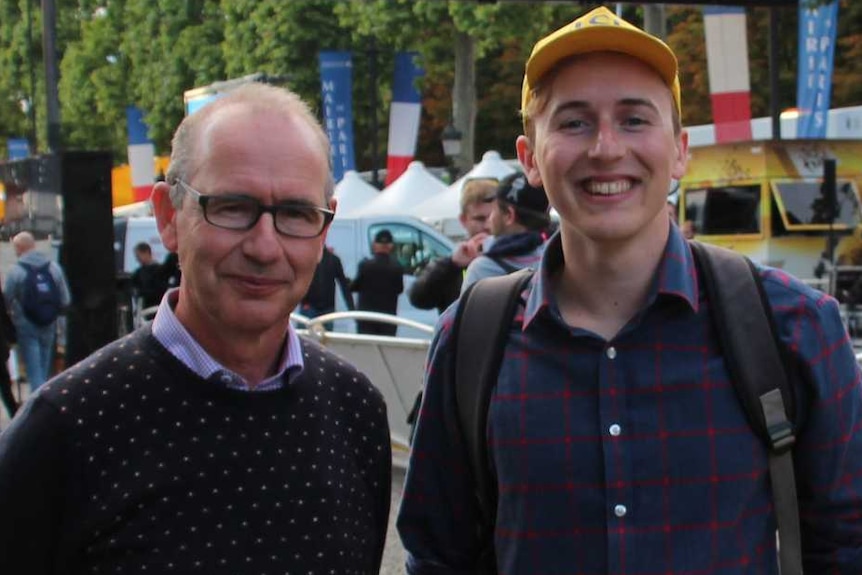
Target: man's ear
[680, 162]
[165, 214]
[527, 157]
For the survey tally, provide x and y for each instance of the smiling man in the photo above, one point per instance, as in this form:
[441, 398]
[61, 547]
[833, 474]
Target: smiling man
[614, 434]
[215, 440]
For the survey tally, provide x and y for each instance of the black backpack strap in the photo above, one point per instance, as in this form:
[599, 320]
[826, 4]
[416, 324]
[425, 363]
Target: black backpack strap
[755, 359]
[481, 330]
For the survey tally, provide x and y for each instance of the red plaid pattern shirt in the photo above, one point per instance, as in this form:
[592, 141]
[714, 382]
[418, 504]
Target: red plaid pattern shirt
[633, 456]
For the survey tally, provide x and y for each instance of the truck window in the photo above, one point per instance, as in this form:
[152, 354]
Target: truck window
[803, 205]
[724, 209]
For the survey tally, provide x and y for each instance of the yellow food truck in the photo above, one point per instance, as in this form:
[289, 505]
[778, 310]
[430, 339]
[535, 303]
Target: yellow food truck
[766, 199]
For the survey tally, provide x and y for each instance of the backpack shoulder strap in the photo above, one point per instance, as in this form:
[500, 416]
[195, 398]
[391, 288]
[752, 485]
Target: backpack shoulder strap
[755, 358]
[481, 329]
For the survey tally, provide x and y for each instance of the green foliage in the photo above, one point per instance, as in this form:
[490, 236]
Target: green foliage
[147, 53]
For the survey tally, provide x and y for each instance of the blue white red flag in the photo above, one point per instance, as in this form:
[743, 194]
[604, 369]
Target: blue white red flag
[403, 115]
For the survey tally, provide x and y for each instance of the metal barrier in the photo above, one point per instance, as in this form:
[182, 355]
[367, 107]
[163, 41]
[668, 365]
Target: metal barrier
[395, 365]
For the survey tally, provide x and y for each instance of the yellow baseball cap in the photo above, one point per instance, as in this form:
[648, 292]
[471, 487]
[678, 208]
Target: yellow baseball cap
[600, 31]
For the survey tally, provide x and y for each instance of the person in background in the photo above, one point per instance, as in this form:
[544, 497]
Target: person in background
[37, 336]
[518, 220]
[214, 439]
[379, 280]
[320, 298]
[8, 337]
[614, 434]
[171, 273]
[439, 284]
[148, 281]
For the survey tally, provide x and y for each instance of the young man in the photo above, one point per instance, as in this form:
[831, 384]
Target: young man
[614, 432]
[518, 219]
[439, 284]
[215, 440]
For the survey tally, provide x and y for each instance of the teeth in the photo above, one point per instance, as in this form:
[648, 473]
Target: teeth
[609, 188]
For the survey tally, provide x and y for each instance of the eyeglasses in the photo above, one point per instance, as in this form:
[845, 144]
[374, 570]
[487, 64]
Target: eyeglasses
[235, 212]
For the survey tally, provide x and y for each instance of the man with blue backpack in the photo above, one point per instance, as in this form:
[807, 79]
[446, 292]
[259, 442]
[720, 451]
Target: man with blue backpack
[36, 293]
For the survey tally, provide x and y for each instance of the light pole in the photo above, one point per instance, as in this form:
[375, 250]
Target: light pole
[451, 139]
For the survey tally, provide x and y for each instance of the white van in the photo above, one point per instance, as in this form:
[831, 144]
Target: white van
[416, 244]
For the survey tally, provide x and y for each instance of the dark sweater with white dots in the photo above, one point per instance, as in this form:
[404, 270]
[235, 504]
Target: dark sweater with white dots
[130, 463]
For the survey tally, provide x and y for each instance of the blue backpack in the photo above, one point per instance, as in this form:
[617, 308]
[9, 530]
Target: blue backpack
[40, 299]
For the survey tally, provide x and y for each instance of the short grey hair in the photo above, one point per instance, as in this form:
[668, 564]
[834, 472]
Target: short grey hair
[255, 96]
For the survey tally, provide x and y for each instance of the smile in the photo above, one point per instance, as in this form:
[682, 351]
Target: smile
[608, 188]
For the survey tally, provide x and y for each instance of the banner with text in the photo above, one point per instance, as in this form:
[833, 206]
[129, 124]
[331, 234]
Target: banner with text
[817, 30]
[336, 80]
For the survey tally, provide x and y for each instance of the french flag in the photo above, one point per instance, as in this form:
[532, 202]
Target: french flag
[727, 63]
[403, 116]
[141, 155]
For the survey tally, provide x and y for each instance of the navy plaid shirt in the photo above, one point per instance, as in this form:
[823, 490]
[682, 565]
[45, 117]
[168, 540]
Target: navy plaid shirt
[633, 456]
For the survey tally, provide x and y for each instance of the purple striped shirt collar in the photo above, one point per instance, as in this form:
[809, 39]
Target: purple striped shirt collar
[168, 330]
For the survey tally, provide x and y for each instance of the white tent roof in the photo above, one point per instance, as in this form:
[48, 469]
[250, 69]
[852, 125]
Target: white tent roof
[447, 206]
[414, 186]
[353, 193]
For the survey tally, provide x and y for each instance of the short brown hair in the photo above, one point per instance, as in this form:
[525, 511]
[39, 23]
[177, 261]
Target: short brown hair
[477, 190]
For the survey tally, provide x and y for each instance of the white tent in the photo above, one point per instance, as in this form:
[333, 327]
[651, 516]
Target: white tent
[443, 209]
[353, 193]
[414, 186]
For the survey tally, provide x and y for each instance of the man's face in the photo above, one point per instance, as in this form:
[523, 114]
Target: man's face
[606, 151]
[247, 281]
[475, 217]
[499, 218]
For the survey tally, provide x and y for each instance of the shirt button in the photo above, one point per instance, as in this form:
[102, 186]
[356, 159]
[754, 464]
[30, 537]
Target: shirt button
[620, 510]
[611, 352]
[614, 430]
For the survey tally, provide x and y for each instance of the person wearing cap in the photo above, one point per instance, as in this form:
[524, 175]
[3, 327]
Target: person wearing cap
[379, 280]
[518, 218]
[614, 434]
[439, 284]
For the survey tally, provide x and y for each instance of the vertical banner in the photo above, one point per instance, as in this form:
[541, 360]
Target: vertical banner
[817, 30]
[727, 64]
[142, 160]
[403, 115]
[337, 88]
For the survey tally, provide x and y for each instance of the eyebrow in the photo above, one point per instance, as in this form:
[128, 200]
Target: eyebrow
[625, 102]
[296, 202]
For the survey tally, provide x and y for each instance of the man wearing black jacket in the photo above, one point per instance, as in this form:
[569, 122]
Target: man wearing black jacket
[439, 284]
[320, 298]
[378, 281]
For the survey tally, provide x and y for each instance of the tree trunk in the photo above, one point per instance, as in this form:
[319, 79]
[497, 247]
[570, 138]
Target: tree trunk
[464, 98]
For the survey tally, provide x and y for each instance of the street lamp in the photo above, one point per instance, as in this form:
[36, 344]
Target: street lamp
[451, 138]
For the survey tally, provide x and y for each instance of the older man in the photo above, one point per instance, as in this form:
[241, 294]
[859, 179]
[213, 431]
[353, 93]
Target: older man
[217, 440]
[614, 433]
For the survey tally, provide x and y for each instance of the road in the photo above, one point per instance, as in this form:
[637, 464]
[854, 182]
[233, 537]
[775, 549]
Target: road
[393, 555]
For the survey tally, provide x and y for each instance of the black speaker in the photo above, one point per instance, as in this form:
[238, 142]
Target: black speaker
[86, 252]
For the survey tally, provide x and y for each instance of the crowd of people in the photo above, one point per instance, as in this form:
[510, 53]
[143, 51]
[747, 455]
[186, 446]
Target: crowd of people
[216, 439]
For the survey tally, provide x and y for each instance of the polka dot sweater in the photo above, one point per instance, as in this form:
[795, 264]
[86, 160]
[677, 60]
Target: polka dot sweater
[130, 463]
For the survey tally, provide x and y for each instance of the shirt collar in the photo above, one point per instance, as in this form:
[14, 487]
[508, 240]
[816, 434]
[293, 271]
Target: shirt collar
[168, 330]
[676, 276]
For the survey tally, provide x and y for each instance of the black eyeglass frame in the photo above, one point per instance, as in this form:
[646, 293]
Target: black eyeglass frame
[204, 199]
